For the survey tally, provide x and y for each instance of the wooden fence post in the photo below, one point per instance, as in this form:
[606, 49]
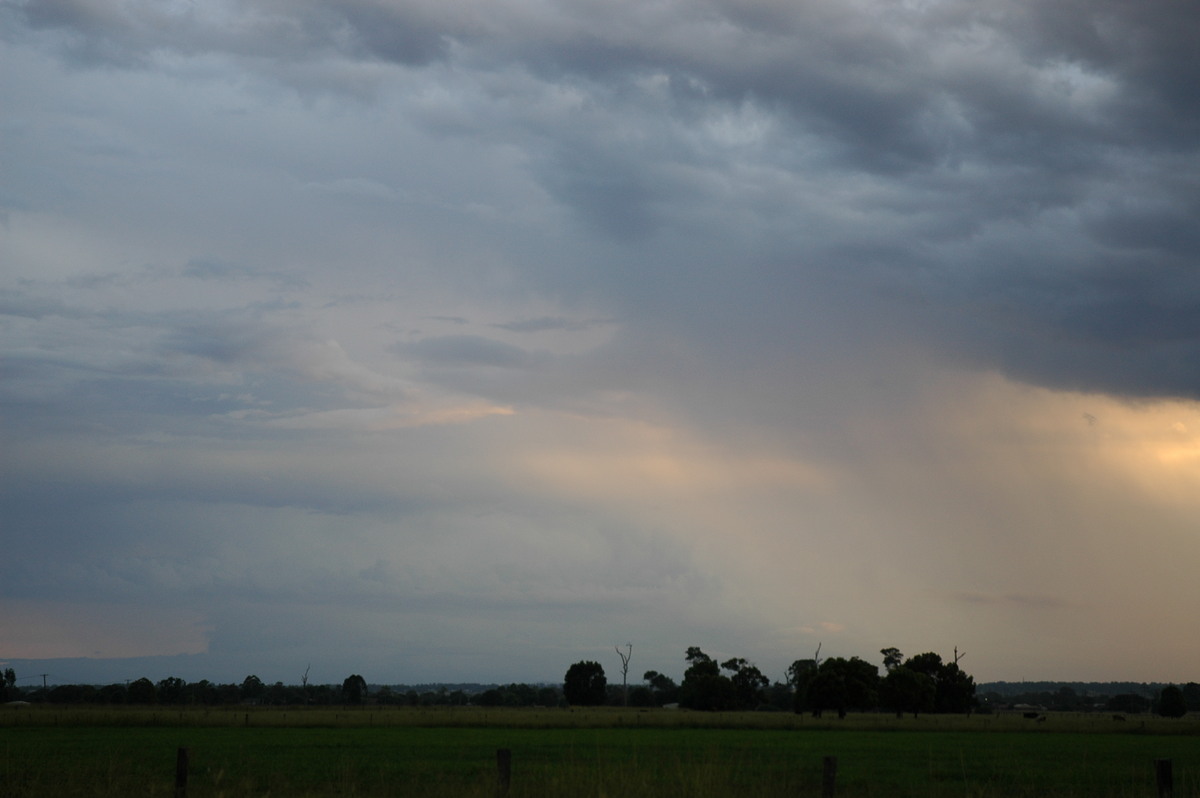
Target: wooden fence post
[503, 770]
[1164, 778]
[181, 772]
[829, 777]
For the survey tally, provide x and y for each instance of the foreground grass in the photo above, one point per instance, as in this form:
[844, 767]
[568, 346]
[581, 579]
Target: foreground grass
[131, 752]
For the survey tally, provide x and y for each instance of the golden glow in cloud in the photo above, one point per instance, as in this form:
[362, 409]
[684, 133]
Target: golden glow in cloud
[984, 513]
[33, 629]
[634, 460]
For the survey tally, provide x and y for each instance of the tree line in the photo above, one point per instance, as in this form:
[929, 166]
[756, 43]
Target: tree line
[924, 683]
[1119, 697]
[920, 684]
[174, 691]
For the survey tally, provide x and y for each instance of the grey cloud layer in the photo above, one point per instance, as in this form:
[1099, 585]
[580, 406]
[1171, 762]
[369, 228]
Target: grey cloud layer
[1012, 184]
[268, 263]
[1023, 172]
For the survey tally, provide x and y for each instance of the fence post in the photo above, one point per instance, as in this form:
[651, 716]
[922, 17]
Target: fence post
[829, 777]
[1164, 778]
[181, 772]
[503, 770]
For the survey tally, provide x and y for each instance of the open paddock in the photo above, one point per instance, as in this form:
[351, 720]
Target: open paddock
[435, 752]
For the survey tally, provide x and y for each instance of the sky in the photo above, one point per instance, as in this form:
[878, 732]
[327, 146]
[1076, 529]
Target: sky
[462, 341]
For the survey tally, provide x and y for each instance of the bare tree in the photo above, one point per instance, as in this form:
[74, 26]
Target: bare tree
[625, 655]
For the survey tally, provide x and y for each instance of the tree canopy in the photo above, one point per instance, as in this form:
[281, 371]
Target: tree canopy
[585, 685]
[1171, 703]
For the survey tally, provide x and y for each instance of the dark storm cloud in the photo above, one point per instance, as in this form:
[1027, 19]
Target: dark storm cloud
[1150, 46]
[1034, 162]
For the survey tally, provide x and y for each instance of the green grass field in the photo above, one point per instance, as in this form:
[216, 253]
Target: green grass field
[47, 751]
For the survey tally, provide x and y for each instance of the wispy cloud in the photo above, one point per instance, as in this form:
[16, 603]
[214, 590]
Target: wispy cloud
[549, 324]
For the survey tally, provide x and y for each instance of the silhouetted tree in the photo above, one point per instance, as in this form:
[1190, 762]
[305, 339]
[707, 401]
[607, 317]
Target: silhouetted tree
[171, 690]
[905, 690]
[800, 675]
[354, 689]
[641, 696]
[1191, 696]
[748, 682]
[953, 688]
[142, 692]
[201, 692]
[490, 698]
[704, 687]
[1171, 703]
[584, 684]
[252, 689]
[955, 691]
[112, 694]
[844, 684]
[663, 689]
[72, 694]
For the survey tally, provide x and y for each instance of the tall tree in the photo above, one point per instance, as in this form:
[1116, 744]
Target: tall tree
[748, 682]
[844, 684]
[142, 691]
[954, 689]
[585, 685]
[905, 690]
[1171, 703]
[704, 687]
[171, 690]
[252, 688]
[354, 689]
[663, 687]
[800, 675]
[1191, 696]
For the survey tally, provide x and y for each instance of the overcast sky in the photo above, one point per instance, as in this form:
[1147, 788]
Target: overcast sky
[465, 340]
